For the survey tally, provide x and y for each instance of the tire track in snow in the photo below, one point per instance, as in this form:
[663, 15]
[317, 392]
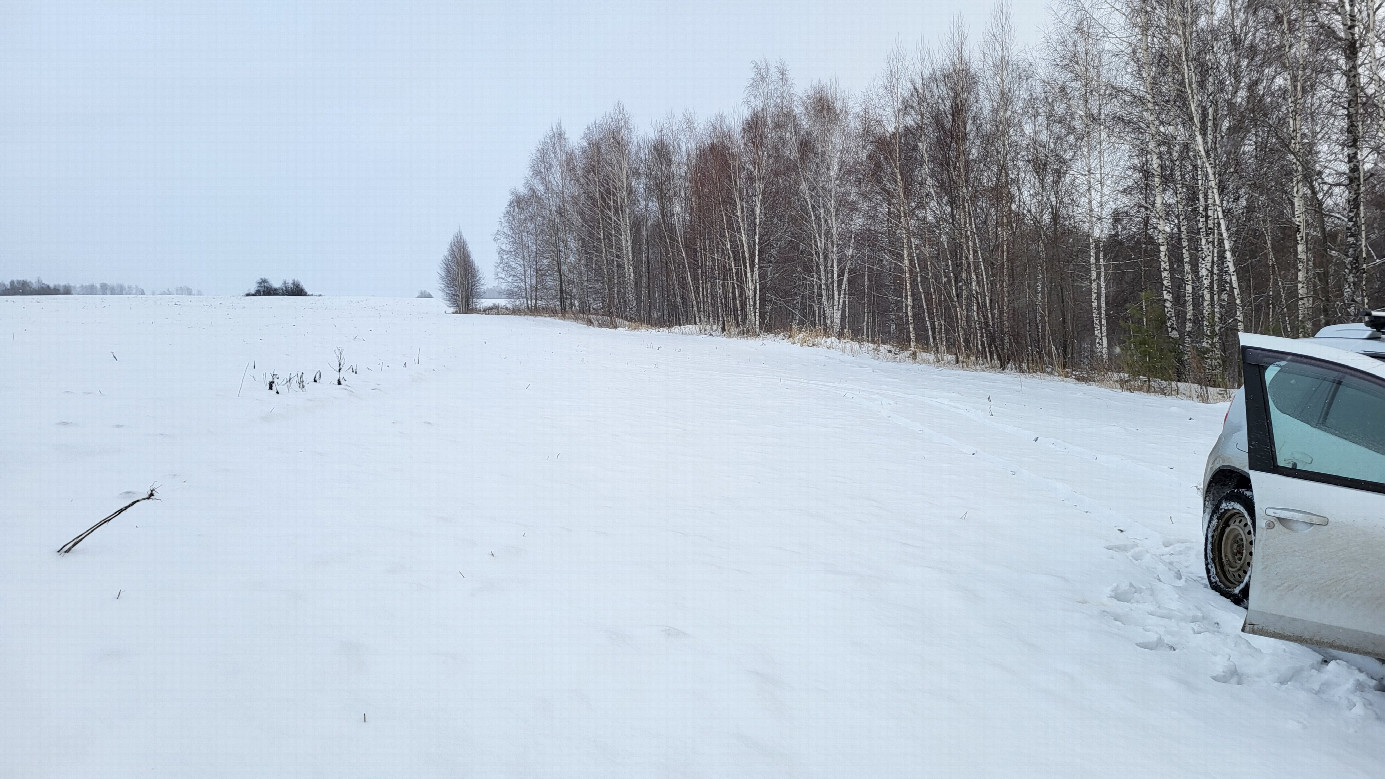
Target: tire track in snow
[1069, 448]
[1155, 611]
[1159, 614]
[1058, 488]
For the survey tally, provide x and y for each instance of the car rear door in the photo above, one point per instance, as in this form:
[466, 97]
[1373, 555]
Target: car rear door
[1315, 420]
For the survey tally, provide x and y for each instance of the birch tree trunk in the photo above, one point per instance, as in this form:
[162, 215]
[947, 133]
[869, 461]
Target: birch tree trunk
[1354, 258]
[1210, 184]
[1294, 34]
[1161, 223]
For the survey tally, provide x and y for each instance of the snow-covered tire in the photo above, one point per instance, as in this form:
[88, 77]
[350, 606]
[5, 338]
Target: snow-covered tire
[1230, 544]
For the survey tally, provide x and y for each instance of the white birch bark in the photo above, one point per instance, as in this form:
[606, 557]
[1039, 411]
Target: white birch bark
[1211, 185]
[1161, 223]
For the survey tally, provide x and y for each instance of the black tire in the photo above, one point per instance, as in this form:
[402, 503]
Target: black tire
[1230, 544]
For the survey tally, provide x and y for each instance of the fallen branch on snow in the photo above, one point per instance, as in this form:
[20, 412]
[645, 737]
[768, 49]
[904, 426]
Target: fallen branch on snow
[70, 545]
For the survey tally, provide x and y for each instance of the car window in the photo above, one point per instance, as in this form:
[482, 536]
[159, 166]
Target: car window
[1326, 421]
[1356, 414]
[1299, 390]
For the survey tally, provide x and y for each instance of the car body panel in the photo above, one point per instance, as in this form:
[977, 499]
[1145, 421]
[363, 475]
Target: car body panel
[1229, 453]
[1318, 584]
[1315, 431]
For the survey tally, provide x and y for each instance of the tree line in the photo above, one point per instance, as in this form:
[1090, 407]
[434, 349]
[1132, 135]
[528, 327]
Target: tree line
[39, 287]
[1154, 177]
[36, 287]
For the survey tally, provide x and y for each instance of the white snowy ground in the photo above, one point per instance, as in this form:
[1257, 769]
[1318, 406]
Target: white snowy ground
[519, 547]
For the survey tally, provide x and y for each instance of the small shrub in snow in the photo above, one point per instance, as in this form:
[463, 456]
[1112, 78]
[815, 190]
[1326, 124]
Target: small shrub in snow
[264, 288]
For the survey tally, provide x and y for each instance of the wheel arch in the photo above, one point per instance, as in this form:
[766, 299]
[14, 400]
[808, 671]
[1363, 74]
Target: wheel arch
[1223, 481]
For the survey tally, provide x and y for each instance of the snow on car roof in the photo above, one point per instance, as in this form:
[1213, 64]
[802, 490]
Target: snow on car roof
[1354, 337]
[1352, 330]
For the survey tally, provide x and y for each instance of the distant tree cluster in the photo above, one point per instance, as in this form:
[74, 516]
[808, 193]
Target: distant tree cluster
[35, 287]
[1159, 174]
[107, 289]
[265, 288]
[459, 280]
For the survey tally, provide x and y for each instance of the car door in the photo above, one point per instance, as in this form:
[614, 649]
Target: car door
[1315, 428]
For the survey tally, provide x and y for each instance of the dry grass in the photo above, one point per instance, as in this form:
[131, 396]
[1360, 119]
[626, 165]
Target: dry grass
[811, 337]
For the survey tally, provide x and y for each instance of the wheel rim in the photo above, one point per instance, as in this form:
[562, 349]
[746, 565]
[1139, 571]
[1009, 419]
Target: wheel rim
[1233, 548]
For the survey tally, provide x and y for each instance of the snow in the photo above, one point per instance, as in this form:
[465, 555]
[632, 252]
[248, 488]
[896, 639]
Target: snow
[515, 547]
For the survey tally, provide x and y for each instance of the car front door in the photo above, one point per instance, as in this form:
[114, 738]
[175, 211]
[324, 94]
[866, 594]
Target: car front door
[1315, 420]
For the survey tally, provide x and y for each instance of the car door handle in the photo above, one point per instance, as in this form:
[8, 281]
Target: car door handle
[1295, 515]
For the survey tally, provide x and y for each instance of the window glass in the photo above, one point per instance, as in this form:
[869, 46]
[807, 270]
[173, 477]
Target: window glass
[1357, 413]
[1299, 390]
[1326, 421]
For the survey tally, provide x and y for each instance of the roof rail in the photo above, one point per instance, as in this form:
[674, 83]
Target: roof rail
[1375, 320]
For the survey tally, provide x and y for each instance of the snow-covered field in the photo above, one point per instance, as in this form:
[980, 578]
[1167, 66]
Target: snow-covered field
[521, 547]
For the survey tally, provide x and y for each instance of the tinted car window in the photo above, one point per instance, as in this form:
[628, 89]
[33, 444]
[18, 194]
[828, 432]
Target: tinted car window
[1356, 414]
[1299, 390]
[1326, 421]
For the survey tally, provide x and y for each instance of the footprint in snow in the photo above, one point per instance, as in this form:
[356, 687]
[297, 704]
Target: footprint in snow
[1229, 674]
[1156, 644]
[1125, 593]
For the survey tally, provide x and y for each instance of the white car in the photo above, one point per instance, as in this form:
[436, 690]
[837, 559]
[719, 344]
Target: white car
[1294, 490]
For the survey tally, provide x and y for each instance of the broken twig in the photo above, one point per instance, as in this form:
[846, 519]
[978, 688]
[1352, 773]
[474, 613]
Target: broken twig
[70, 545]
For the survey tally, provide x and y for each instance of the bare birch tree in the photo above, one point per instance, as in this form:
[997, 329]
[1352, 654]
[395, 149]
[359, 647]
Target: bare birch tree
[458, 276]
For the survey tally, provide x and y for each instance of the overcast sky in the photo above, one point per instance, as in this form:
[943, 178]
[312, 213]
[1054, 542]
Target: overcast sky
[208, 144]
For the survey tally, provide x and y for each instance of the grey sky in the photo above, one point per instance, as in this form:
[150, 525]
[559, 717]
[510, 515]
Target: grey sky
[209, 144]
